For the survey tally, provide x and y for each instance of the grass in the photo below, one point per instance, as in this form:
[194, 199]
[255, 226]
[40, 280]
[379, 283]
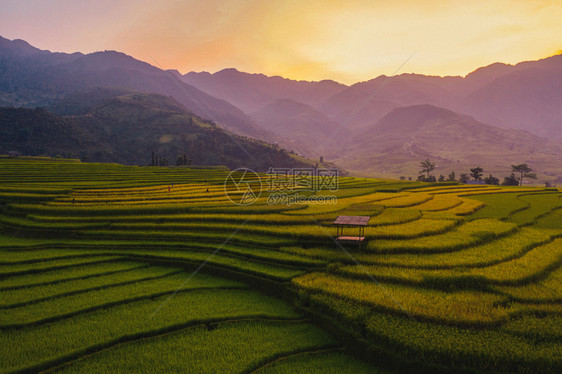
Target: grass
[232, 347]
[501, 249]
[238, 264]
[12, 257]
[278, 219]
[219, 236]
[551, 221]
[451, 275]
[543, 328]
[545, 290]
[471, 233]
[67, 306]
[68, 274]
[67, 339]
[452, 346]
[467, 207]
[534, 264]
[500, 206]
[410, 200]
[539, 205]
[440, 203]
[466, 308]
[37, 267]
[417, 228]
[321, 363]
[395, 216]
[74, 286]
[470, 347]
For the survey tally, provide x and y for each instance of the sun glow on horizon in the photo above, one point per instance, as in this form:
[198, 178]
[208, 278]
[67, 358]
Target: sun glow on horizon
[311, 40]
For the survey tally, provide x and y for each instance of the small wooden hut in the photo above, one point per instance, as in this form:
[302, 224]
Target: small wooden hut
[353, 223]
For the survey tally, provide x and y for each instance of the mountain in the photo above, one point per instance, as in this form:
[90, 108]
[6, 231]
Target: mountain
[127, 128]
[284, 107]
[250, 92]
[31, 77]
[484, 75]
[401, 139]
[526, 96]
[363, 104]
[381, 126]
[299, 126]
[18, 47]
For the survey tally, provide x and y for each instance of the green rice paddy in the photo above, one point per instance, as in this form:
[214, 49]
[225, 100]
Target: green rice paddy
[108, 268]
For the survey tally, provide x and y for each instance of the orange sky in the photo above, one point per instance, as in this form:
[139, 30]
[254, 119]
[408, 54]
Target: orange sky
[347, 41]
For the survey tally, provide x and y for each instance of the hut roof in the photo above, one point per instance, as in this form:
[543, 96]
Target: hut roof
[352, 220]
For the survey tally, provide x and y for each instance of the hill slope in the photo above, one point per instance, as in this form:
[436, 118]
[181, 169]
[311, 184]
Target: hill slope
[525, 96]
[127, 128]
[298, 125]
[306, 116]
[363, 104]
[250, 92]
[32, 77]
[528, 96]
[400, 140]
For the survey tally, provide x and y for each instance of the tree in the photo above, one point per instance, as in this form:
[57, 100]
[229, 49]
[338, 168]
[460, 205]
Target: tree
[452, 177]
[511, 180]
[422, 178]
[477, 173]
[492, 180]
[402, 178]
[441, 178]
[152, 163]
[464, 178]
[524, 172]
[427, 167]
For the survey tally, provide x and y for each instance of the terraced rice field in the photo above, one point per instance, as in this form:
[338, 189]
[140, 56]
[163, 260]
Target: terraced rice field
[113, 268]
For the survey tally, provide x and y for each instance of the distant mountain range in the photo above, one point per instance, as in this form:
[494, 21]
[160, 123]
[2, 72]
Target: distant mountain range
[454, 142]
[494, 116]
[526, 96]
[250, 92]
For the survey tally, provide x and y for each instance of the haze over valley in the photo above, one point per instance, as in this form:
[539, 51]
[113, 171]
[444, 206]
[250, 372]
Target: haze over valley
[495, 116]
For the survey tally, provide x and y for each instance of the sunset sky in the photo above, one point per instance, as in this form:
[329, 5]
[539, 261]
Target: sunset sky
[347, 41]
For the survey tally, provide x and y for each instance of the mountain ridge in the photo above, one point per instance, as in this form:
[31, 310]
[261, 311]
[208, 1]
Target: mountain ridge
[127, 128]
[42, 77]
[403, 137]
[307, 116]
[233, 85]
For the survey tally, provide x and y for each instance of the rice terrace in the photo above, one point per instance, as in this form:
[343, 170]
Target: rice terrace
[111, 268]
